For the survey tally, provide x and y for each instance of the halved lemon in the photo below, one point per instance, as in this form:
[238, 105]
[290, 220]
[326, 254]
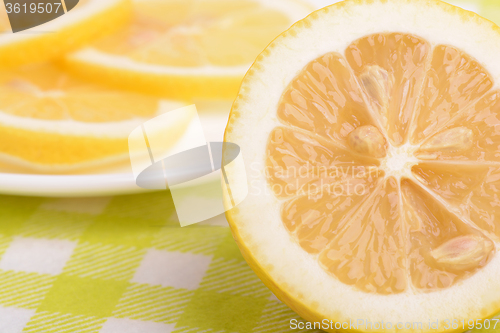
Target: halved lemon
[370, 134]
[87, 21]
[187, 48]
[51, 122]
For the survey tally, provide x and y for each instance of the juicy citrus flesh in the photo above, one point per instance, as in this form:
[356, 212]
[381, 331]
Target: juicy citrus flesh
[387, 163]
[196, 33]
[47, 92]
[54, 102]
[186, 49]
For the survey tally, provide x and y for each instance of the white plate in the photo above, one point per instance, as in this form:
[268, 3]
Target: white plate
[67, 186]
[116, 183]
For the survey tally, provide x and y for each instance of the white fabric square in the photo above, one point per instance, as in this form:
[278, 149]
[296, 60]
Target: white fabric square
[35, 255]
[13, 320]
[172, 269]
[115, 325]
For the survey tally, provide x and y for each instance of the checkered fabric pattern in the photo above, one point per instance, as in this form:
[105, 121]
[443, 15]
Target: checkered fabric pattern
[124, 265]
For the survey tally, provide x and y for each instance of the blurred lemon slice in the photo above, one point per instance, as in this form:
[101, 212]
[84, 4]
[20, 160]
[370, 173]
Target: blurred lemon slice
[51, 122]
[186, 48]
[88, 20]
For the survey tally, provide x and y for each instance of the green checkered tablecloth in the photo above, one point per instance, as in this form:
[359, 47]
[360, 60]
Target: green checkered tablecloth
[124, 265]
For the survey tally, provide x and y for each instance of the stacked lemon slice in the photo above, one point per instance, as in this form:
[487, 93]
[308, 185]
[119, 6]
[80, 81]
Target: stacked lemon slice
[62, 104]
[187, 48]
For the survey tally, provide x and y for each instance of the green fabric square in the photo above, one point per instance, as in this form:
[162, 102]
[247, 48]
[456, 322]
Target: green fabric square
[14, 211]
[120, 231]
[104, 261]
[491, 11]
[193, 239]
[222, 312]
[228, 249]
[79, 296]
[157, 207]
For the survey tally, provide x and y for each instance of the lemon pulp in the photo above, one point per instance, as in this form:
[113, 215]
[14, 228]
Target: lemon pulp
[196, 33]
[361, 161]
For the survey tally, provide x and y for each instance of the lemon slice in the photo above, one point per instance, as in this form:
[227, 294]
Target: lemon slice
[88, 20]
[186, 48]
[370, 137]
[51, 122]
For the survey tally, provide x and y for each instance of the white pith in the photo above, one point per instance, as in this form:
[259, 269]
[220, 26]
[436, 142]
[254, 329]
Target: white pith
[258, 218]
[399, 161]
[293, 9]
[95, 56]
